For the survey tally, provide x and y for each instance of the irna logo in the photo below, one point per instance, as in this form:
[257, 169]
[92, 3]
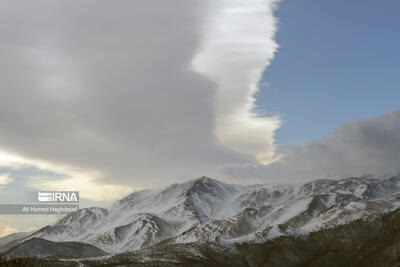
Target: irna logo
[59, 197]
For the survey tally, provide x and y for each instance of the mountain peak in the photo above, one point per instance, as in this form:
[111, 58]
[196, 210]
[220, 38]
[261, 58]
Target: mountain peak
[205, 208]
[204, 179]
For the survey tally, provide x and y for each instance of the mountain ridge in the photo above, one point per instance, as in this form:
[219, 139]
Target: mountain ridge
[205, 209]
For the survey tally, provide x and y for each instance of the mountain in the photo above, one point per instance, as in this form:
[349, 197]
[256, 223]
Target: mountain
[43, 248]
[11, 240]
[205, 210]
[360, 243]
[12, 237]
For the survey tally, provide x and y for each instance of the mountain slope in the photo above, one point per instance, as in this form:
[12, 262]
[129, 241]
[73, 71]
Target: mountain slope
[206, 210]
[43, 248]
[343, 246]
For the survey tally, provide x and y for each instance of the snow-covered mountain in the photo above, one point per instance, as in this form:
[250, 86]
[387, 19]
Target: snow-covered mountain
[206, 209]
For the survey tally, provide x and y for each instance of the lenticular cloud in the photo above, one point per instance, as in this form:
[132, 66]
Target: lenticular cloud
[238, 44]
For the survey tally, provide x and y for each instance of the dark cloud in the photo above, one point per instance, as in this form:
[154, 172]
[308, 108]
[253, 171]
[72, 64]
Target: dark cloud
[108, 86]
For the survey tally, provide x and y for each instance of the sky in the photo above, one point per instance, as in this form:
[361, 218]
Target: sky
[114, 97]
[338, 61]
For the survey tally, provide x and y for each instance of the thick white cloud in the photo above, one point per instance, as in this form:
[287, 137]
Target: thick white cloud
[359, 147]
[134, 93]
[239, 43]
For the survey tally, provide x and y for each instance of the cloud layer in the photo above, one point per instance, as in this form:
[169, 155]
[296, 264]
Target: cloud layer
[134, 93]
[359, 147]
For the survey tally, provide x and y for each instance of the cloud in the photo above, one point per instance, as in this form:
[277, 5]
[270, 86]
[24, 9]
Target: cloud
[88, 188]
[5, 179]
[6, 230]
[239, 43]
[12, 224]
[362, 146]
[134, 93]
[61, 177]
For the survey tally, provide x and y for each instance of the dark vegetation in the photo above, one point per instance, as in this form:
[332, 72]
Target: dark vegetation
[358, 244]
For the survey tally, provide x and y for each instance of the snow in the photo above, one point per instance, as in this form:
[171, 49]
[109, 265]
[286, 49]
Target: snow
[293, 209]
[355, 206]
[274, 232]
[331, 200]
[360, 190]
[208, 209]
